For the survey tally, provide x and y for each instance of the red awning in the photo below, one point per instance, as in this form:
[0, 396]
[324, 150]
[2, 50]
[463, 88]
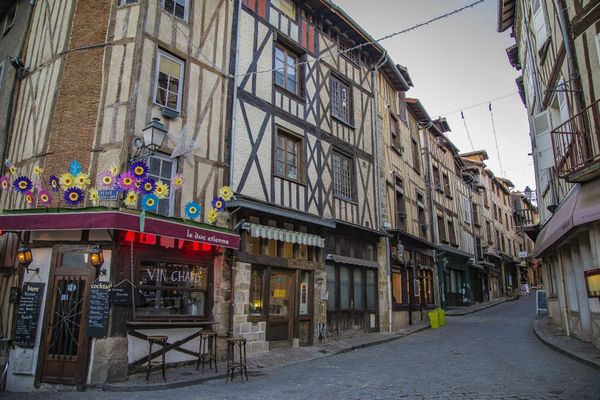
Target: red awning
[94, 220]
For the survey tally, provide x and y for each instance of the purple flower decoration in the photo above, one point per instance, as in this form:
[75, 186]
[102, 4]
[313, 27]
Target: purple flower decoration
[139, 169]
[4, 182]
[29, 198]
[45, 198]
[147, 186]
[74, 196]
[22, 184]
[218, 204]
[126, 181]
[54, 183]
[106, 180]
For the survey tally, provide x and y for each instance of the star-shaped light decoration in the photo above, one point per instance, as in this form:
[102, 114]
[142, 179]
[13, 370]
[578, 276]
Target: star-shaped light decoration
[184, 145]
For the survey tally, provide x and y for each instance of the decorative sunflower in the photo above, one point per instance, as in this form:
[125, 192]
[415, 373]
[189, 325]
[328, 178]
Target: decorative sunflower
[212, 216]
[82, 180]
[218, 204]
[177, 182]
[4, 182]
[106, 180]
[226, 193]
[94, 196]
[54, 183]
[22, 184]
[37, 171]
[67, 181]
[162, 190]
[131, 199]
[74, 196]
[29, 198]
[12, 169]
[45, 198]
[149, 202]
[192, 210]
[139, 169]
[114, 170]
[126, 181]
[148, 186]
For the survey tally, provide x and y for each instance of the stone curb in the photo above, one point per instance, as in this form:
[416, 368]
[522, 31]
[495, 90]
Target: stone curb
[461, 313]
[575, 356]
[195, 381]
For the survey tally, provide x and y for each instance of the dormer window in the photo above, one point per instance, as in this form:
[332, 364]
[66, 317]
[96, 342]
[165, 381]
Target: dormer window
[286, 7]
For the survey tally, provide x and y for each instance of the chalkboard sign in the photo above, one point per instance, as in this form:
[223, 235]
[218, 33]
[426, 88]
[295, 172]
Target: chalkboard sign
[28, 314]
[121, 295]
[541, 304]
[98, 310]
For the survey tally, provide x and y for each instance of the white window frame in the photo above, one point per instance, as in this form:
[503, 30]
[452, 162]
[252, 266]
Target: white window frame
[539, 23]
[186, 9]
[7, 27]
[121, 3]
[171, 196]
[2, 66]
[161, 53]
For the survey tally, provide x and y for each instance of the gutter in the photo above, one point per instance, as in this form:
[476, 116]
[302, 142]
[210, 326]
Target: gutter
[233, 68]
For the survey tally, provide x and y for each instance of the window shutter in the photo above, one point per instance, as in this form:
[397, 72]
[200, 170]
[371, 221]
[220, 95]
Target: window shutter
[562, 102]
[543, 140]
[539, 23]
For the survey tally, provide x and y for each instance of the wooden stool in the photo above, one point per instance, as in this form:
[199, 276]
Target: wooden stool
[161, 341]
[232, 365]
[207, 351]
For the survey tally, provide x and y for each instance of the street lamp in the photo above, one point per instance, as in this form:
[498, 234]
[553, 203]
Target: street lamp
[25, 257]
[154, 134]
[97, 258]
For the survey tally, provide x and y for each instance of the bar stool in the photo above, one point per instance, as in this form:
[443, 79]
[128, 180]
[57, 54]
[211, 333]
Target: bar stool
[161, 341]
[232, 365]
[207, 352]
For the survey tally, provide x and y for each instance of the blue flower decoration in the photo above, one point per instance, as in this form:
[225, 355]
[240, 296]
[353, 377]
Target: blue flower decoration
[139, 169]
[54, 183]
[149, 202]
[192, 210]
[75, 167]
[74, 196]
[218, 204]
[22, 184]
[147, 186]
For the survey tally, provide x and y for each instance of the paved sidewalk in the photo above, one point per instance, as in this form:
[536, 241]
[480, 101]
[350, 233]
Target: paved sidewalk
[187, 375]
[553, 336]
[453, 312]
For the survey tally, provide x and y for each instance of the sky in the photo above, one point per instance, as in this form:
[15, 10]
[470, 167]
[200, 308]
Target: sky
[456, 63]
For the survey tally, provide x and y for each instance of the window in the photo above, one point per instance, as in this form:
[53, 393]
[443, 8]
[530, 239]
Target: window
[258, 6]
[287, 8]
[349, 291]
[402, 108]
[371, 289]
[169, 289]
[447, 185]
[441, 229]
[399, 292]
[341, 100]
[331, 287]
[485, 200]
[436, 178]
[488, 228]
[394, 132]
[169, 81]
[598, 46]
[178, 8]
[342, 176]
[9, 20]
[428, 286]
[125, 2]
[475, 214]
[416, 156]
[163, 169]
[478, 251]
[539, 23]
[421, 216]
[287, 155]
[256, 291]
[400, 205]
[287, 70]
[451, 233]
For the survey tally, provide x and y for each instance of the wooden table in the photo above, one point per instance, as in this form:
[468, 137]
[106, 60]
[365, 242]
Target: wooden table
[134, 326]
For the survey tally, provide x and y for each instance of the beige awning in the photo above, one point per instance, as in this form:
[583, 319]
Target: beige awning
[283, 235]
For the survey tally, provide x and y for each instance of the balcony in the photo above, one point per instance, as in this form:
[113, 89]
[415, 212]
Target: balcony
[524, 218]
[576, 145]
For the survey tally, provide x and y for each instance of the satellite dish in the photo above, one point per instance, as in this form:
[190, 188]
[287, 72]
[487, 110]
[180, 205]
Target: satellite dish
[138, 143]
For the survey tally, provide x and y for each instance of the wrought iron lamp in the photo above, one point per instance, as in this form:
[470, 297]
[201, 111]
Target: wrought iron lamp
[25, 257]
[154, 135]
[97, 258]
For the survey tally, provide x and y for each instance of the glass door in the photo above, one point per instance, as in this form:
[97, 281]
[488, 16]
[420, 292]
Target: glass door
[281, 306]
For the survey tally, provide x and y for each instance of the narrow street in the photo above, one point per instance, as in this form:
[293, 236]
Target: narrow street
[492, 354]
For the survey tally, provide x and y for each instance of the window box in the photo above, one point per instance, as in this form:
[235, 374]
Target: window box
[169, 113]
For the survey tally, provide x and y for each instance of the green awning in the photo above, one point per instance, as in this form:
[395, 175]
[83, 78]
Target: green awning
[282, 235]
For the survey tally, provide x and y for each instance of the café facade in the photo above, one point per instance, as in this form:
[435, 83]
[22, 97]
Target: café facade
[162, 276]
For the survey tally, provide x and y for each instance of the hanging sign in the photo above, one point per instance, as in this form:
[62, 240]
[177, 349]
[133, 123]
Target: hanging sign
[28, 314]
[107, 194]
[121, 295]
[98, 310]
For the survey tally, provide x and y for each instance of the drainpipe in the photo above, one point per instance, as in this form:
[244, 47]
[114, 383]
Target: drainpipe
[565, 309]
[374, 125]
[234, 82]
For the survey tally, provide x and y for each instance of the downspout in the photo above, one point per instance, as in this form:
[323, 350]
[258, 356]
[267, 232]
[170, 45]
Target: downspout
[375, 124]
[565, 309]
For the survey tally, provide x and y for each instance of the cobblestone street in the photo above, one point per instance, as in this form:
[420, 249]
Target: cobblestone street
[492, 354]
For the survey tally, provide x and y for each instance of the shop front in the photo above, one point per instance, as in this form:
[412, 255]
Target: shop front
[457, 283]
[99, 282]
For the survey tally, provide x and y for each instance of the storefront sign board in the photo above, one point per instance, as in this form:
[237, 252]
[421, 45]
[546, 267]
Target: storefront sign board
[98, 310]
[28, 314]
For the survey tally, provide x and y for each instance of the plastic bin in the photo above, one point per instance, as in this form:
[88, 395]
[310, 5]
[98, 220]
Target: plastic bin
[433, 319]
[441, 317]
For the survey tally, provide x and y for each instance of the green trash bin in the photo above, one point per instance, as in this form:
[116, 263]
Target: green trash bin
[433, 319]
[441, 317]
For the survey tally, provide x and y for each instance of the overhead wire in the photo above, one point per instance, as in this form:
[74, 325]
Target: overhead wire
[462, 115]
[496, 140]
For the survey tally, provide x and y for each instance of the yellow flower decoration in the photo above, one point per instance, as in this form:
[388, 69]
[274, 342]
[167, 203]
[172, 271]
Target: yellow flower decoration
[212, 216]
[114, 170]
[38, 171]
[162, 190]
[94, 197]
[131, 199]
[82, 180]
[67, 181]
[12, 170]
[226, 193]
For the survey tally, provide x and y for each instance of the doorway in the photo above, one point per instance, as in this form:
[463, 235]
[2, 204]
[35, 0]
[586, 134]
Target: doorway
[281, 307]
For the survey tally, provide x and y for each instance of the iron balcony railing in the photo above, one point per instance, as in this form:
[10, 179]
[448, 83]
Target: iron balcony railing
[524, 218]
[577, 143]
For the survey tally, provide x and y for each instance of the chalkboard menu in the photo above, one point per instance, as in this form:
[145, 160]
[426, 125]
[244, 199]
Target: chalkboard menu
[28, 315]
[121, 295]
[541, 304]
[98, 310]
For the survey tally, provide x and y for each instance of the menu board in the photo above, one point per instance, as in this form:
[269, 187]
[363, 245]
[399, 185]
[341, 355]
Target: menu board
[541, 304]
[28, 314]
[122, 295]
[98, 310]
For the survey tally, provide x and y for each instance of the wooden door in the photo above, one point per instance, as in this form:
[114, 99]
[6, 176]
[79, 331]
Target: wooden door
[281, 306]
[66, 346]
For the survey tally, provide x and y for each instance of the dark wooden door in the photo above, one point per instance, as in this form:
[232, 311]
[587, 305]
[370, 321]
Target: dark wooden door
[66, 346]
[281, 306]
